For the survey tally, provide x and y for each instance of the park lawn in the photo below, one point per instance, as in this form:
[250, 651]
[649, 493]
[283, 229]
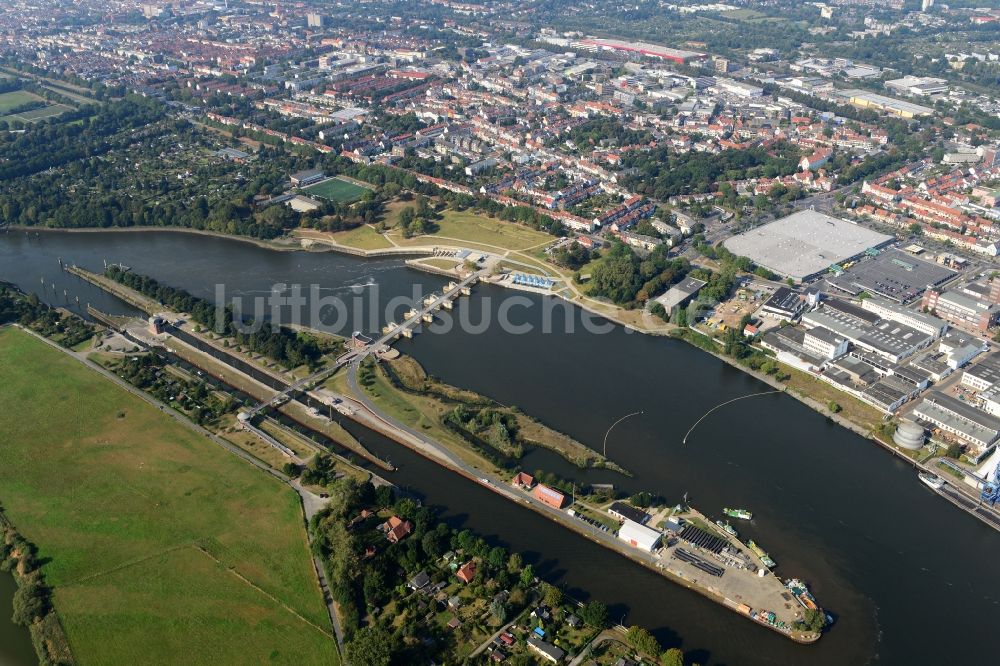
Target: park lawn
[9, 100]
[363, 238]
[336, 189]
[481, 230]
[119, 499]
[392, 209]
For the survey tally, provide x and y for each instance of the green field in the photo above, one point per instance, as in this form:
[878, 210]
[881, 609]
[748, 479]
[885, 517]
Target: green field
[43, 113]
[10, 100]
[336, 189]
[161, 546]
[363, 237]
[476, 229]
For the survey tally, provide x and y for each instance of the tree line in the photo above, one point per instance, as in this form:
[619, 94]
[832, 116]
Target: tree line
[32, 604]
[30, 312]
[278, 343]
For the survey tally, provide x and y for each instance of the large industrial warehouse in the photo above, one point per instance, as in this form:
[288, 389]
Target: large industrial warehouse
[805, 244]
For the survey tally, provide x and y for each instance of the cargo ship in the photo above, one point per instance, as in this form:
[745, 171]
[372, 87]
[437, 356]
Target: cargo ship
[801, 593]
[742, 514]
[932, 480]
[727, 528]
[762, 554]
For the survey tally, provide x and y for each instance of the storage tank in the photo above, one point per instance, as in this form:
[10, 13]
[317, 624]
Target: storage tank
[909, 436]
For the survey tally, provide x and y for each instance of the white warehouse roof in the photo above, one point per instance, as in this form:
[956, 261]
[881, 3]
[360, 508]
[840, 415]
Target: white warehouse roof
[804, 243]
[638, 535]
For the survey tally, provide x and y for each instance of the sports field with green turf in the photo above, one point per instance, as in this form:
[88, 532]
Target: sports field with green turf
[336, 189]
[160, 546]
[10, 100]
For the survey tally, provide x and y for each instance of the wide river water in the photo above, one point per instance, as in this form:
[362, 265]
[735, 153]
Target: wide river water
[909, 578]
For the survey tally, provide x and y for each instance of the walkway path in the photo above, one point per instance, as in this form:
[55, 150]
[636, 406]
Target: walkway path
[604, 637]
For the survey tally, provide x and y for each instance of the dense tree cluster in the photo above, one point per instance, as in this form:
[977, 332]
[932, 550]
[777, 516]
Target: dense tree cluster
[627, 280]
[49, 145]
[663, 173]
[496, 428]
[572, 256]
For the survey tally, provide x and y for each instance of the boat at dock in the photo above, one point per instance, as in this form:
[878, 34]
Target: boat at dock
[762, 554]
[932, 480]
[742, 514]
[727, 528]
[801, 593]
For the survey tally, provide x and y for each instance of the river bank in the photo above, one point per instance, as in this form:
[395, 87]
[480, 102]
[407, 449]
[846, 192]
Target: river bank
[669, 330]
[833, 510]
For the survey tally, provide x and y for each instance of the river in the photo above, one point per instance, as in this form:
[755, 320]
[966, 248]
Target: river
[15, 642]
[909, 578]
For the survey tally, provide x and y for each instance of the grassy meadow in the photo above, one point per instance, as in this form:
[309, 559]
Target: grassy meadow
[161, 547]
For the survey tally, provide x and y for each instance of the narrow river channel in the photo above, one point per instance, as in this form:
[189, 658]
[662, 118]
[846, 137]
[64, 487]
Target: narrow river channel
[15, 642]
[909, 578]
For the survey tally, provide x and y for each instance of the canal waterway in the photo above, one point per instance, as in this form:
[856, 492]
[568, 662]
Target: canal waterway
[909, 578]
[15, 642]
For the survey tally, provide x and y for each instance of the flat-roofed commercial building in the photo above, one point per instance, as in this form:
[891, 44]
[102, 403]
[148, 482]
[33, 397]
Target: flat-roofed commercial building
[824, 342]
[897, 107]
[888, 339]
[923, 322]
[893, 275]
[918, 85]
[962, 310]
[958, 418]
[783, 304]
[805, 244]
[640, 48]
[679, 294]
[983, 375]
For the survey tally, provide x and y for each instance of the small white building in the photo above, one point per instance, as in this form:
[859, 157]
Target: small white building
[639, 536]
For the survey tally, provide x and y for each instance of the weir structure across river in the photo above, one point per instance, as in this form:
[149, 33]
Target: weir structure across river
[390, 333]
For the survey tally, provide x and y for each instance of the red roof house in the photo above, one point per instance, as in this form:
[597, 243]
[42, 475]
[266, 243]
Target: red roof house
[467, 572]
[522, 480]
[396, 529]
[547, 495]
